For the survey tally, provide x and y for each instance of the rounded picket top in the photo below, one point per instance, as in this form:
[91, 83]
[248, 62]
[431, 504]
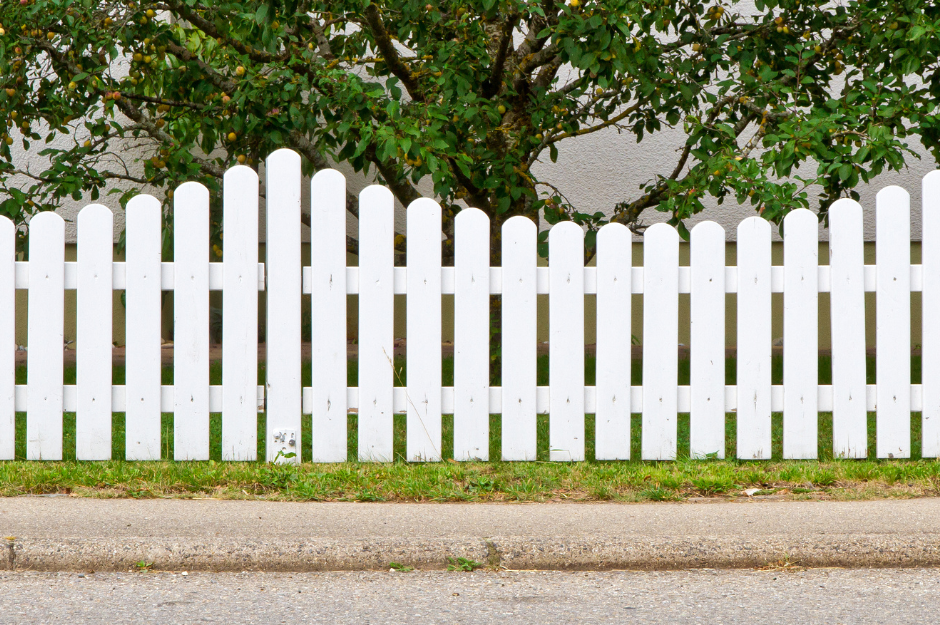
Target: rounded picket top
[470, 216]
[282, 158]
[931, 189]
[707, 229]
[376, 195]
[190, 194]
[425, 206]
[46, 221]
[94, 214]
[613, 233]
[800, 220]
[327, 177]
[844, 210]
[660, 233]
[893, 202]
[518, 227]
[142, 202]
[564, 233]
[753, 227]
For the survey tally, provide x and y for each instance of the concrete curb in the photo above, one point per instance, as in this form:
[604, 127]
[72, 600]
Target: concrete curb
[862, 551]
[62, 534]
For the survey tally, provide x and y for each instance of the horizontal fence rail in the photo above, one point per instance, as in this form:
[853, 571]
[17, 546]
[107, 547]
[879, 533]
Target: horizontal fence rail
[376, 398]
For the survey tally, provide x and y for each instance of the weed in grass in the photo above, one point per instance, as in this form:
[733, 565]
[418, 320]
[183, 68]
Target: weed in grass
[463, 564]
[401, 568]
[657, 493]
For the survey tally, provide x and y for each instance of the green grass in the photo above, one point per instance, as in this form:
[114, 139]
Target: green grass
[491, 481]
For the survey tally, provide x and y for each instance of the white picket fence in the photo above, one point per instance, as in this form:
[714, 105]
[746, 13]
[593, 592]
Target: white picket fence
[566, 280]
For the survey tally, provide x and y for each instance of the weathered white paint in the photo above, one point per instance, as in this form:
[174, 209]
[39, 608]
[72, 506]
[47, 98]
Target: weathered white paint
[282, 336]
[376, 323]
[45, 322]
[930, 304]
[142, 353]
[612, 369]
[328, 264]
[518, 286]
[893, 324]
[472, 335]
[754, 340]
[566, 281]
[191, 322]
[424, 331]
[660, 342]
[7, 339]
[93, 344]
[240, 308]
[800, 334]
[707, 366]
[847, 286]
[566, 342]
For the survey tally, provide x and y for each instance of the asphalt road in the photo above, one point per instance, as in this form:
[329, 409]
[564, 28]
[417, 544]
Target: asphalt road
[698, 596]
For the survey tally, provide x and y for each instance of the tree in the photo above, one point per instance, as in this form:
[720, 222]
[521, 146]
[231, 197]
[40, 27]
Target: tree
[468, 93]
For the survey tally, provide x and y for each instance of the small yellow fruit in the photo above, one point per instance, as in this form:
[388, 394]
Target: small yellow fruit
[310, 46]
[169, 194]
[72, 87]
[501, 109]
[575, 3]
[241, 159]
[12, 92]
[232, 136]
[456, 119]
[87, 144]
[50, 36]
[160, 123]
[14, 114]
[150, 13]
[148, 59]
[239, 71]
[539, 136]
[8, 140]
[817, 49]
[138, 57]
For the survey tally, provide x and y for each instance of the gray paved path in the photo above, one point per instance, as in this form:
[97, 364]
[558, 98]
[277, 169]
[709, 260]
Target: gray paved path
[703, 596]
[75, 534]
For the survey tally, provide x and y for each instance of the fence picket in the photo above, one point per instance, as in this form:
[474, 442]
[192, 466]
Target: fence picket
[707, 366]
[660, 342]
[191, 322]
[142, 328]
[328, 265]
[376, 323]
[423, 326]
[519, 339]
[45, 325]
[930, 303]
[93, 330]
[282, 336]
[614, 292]
[754, 339]
[893, 323]
[7, 339]
[240, 310]
[472, 335]
[800, 334]
[566, 342]
[847, 302]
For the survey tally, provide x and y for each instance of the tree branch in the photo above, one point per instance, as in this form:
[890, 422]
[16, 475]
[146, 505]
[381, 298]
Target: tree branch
[492, 84]
[374, 22]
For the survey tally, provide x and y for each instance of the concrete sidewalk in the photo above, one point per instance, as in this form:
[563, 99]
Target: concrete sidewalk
[63, 533]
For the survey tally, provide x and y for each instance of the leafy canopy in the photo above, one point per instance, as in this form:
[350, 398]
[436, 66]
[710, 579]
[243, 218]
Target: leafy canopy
[469, 94]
